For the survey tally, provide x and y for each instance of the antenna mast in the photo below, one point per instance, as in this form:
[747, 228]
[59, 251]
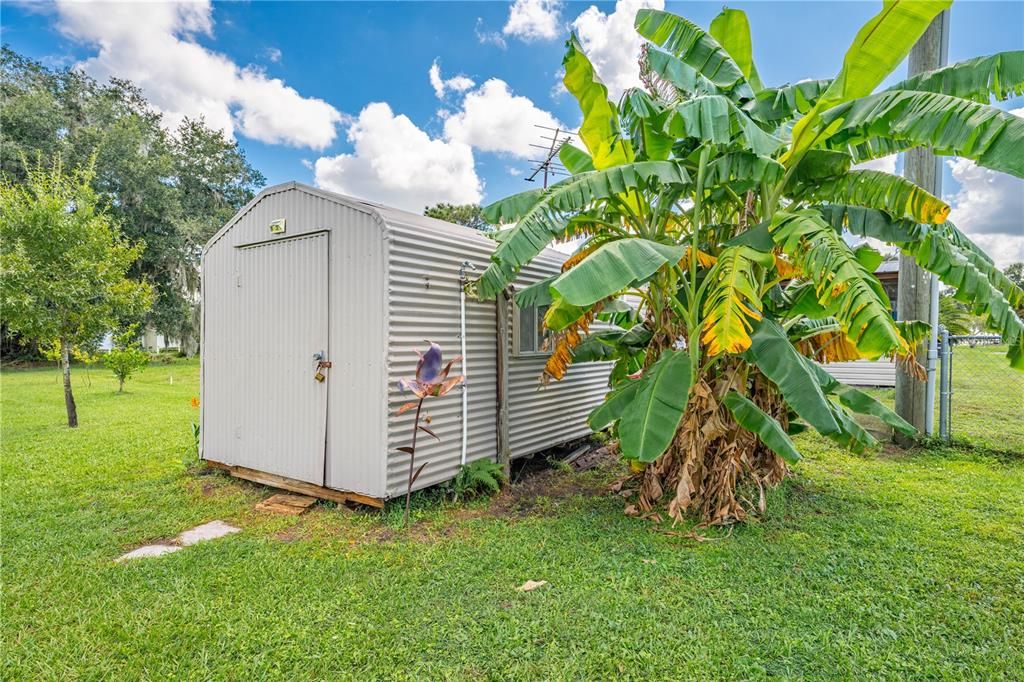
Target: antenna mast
[549, 165]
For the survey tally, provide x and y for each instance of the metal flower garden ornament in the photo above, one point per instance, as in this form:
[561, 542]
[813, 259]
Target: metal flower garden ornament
[431, 381]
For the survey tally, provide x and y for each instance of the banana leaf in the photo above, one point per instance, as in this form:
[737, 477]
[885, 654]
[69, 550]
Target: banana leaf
[600, 129]
[876, 189]
[692, 45]
[732, 31]
[613, 267]
[650, 420]
[753, 419]
[945, 124]
[771, 351]
[733, 300]
[879, 47]
[999, 75]
[547, 218]
[715, 119]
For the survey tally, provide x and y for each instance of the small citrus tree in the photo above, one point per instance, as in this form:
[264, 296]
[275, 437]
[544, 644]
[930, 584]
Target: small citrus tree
[63, 264]
[126, 357]
[720, 205]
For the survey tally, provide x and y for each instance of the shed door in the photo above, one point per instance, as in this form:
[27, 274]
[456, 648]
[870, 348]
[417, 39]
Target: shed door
[281, 298]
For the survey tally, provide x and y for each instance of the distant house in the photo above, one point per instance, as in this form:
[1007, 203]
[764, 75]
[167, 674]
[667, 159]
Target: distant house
[873, 372]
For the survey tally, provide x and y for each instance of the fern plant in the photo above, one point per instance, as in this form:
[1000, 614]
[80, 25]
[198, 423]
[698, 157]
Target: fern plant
[482, 477]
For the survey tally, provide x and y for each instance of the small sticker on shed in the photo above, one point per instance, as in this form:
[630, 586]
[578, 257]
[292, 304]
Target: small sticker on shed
[278, 226]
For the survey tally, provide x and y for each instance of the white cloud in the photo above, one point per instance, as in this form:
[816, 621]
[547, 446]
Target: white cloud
[459, 83]
[531, 20]
[883, 163]
[989, 208]
[492, 119]
[273, 54]
[484, 37]
[396, 163]
[154, 45]
[612, 44]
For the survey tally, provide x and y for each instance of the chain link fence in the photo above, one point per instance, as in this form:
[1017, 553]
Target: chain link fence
[983, 397]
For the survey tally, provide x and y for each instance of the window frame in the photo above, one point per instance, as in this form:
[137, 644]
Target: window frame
[542, 334]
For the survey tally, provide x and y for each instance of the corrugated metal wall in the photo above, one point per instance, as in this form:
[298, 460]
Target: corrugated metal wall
[540, 416]
[357, 338]
[379, 315]
[863, 372]
[423, 296]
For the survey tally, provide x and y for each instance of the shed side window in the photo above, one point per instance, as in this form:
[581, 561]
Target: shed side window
[530, 333]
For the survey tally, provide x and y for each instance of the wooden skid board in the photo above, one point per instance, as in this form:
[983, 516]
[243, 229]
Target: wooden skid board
[283, 503]
[295, 486]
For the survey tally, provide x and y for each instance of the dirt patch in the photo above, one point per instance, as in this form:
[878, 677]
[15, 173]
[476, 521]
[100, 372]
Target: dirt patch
[890, 450]
[541, 483]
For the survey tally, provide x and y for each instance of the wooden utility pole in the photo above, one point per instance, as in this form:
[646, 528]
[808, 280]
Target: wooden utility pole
[914, 298]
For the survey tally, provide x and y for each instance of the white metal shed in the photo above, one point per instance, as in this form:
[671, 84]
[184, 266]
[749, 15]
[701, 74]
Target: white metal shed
[300, 271]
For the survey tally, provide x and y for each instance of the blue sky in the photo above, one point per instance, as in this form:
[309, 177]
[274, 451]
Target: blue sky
[340, 94]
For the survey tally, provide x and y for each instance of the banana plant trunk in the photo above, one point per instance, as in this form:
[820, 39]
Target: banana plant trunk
[714, 467]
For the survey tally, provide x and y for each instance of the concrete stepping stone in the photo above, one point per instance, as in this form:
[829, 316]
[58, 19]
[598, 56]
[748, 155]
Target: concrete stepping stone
[147, 551]
[207, 531]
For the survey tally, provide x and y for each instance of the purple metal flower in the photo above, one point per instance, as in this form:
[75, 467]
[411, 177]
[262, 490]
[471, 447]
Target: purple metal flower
[429, 365]
[431, 378]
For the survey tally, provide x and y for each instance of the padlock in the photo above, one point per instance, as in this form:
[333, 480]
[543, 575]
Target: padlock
[319, 376]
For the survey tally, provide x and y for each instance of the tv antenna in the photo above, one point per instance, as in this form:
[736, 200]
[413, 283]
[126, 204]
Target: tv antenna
[553, 141]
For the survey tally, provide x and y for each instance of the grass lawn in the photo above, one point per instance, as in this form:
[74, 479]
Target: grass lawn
[890, 565]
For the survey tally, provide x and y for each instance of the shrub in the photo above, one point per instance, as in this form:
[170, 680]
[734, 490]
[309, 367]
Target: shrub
[127, 356]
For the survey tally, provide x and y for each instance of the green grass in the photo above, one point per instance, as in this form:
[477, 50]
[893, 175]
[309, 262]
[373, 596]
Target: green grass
[890, 565]
[988, 399]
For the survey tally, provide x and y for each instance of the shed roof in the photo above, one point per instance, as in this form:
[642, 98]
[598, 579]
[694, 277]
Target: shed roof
[385, 214]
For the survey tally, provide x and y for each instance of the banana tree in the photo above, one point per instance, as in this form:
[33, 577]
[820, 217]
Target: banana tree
[718, 207]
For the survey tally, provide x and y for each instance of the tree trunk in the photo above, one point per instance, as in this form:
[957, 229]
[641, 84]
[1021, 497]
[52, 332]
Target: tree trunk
[120, 385]
[69, 397]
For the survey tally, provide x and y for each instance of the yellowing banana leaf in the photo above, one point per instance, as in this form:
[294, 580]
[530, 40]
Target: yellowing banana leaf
[732, 303]
[843, 285]
[560, 314]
